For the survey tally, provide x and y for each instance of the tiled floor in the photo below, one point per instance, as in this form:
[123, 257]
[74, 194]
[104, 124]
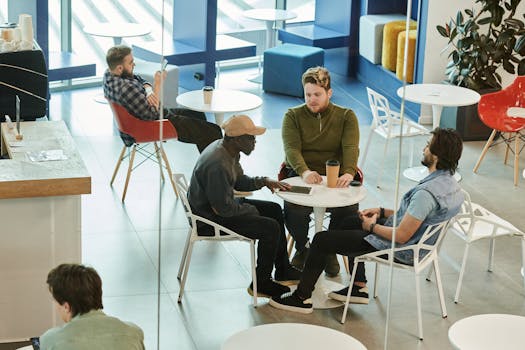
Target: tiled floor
[122, 241]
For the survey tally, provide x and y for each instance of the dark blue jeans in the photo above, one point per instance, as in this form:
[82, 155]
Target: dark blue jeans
[347, 240]
[268, 229]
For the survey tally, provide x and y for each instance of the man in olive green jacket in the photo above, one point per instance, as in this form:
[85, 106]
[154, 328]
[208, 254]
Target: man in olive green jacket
[313, 133]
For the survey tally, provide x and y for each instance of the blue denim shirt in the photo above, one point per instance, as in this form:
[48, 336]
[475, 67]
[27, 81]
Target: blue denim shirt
[447, 193]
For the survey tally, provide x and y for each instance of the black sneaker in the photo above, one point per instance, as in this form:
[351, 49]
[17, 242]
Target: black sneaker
[299, 258]
[332, 266]
[289, 277]
[359, 295]
[292, 302]
[268, 289]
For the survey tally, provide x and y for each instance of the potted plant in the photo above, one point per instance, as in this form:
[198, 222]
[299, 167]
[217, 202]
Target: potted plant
[481, 42]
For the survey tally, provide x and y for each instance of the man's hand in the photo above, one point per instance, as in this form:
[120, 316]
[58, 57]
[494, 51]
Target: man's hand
[367, 221]
[312, 177]
[153, 100]
[272, 185]
[369, 213]
[344, 180]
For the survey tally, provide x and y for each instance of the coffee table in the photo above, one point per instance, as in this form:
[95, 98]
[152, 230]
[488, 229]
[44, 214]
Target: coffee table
[322, 198]
[287, 336]
[117, 30]
[437, 96]
[223, 101]
[488, 331]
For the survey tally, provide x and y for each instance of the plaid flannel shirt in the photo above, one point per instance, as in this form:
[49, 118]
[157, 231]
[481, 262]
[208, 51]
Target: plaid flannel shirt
[131, 94]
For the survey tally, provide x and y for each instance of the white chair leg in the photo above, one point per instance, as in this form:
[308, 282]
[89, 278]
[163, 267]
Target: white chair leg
[381, 166]
[184, 255]
[440, 289]
[343, 319]
[185, 271]
[411, 159]
[254, 273]
[461, 273]
[363, 157]
[376, 278]
[429, 274]
[418, 302]
[492, 244]
[523, 259]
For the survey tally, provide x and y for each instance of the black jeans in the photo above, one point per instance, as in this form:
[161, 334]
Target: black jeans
[297, 219]
[192, 127]
[347, 240]
[268, 229]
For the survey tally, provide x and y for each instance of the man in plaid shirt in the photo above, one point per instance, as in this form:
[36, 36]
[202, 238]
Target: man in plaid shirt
[141, 99]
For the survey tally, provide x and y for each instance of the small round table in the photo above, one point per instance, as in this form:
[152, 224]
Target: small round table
[270, 17]
[117, 30]
[321, 198]
[223, 101]
[287, 336]
[489, 331]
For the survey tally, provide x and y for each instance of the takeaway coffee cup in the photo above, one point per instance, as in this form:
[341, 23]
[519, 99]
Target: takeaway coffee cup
[207, 92]
[332, 173]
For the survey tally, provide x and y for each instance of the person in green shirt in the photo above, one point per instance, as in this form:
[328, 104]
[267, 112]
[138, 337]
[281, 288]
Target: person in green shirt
[313, 133]
[77, 292]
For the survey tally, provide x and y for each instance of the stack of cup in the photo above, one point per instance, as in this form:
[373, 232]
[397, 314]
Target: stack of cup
[25, 23]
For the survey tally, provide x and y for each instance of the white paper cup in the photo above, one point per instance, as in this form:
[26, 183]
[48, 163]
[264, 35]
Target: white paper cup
[25, 23]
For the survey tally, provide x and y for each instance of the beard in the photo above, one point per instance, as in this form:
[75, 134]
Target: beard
[126, 74]
[427, 160]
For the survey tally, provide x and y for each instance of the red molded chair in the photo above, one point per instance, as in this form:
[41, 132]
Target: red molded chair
[493, 109]
[141, 133]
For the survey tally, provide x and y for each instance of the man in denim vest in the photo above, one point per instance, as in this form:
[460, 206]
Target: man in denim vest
[435, 199]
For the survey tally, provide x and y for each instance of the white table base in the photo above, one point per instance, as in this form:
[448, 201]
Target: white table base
[418, 173]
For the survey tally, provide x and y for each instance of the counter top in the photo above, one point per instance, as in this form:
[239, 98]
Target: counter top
[21, 177]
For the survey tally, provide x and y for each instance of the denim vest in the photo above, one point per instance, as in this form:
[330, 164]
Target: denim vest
[447, 193]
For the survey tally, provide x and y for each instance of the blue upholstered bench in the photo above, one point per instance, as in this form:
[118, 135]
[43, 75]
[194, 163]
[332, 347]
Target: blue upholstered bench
[284, 66]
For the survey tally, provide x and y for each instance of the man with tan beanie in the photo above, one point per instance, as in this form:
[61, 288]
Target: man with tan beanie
[215, 176]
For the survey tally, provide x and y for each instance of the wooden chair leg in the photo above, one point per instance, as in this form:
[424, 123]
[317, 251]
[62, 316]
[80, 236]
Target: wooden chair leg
[130, 169]
[507, 149]
[347, 266]
[485, 149]
[168, 169]
[120, 159]
[157, 153]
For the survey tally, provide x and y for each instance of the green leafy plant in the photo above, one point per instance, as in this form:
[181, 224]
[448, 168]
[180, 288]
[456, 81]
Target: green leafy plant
[481, 41]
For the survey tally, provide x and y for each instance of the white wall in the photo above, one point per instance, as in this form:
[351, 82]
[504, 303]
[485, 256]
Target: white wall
[440, 12]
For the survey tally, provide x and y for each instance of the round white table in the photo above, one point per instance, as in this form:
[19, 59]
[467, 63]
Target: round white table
[223, 101]
[437, 96]
[287, 336]
[270, 17]
[321, 198]
[489, 331]
[117, 30]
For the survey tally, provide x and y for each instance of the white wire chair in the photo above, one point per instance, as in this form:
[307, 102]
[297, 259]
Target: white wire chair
[473, 223]
[387, 124]
[220, 234]
[429, 243]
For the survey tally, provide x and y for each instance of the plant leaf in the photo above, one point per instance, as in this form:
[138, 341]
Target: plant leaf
[521, 67]
[520, 45]
[485, 20]
[441, 30]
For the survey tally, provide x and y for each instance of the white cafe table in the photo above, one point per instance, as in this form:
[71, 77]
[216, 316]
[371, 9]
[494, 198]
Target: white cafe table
[270, 17]
[117, 30]
[437, 96]
[223, 101]
[322, 198]
[488, 332]
[287, 336]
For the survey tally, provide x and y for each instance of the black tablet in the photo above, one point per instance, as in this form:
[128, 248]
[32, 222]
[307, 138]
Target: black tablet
[300, 190]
